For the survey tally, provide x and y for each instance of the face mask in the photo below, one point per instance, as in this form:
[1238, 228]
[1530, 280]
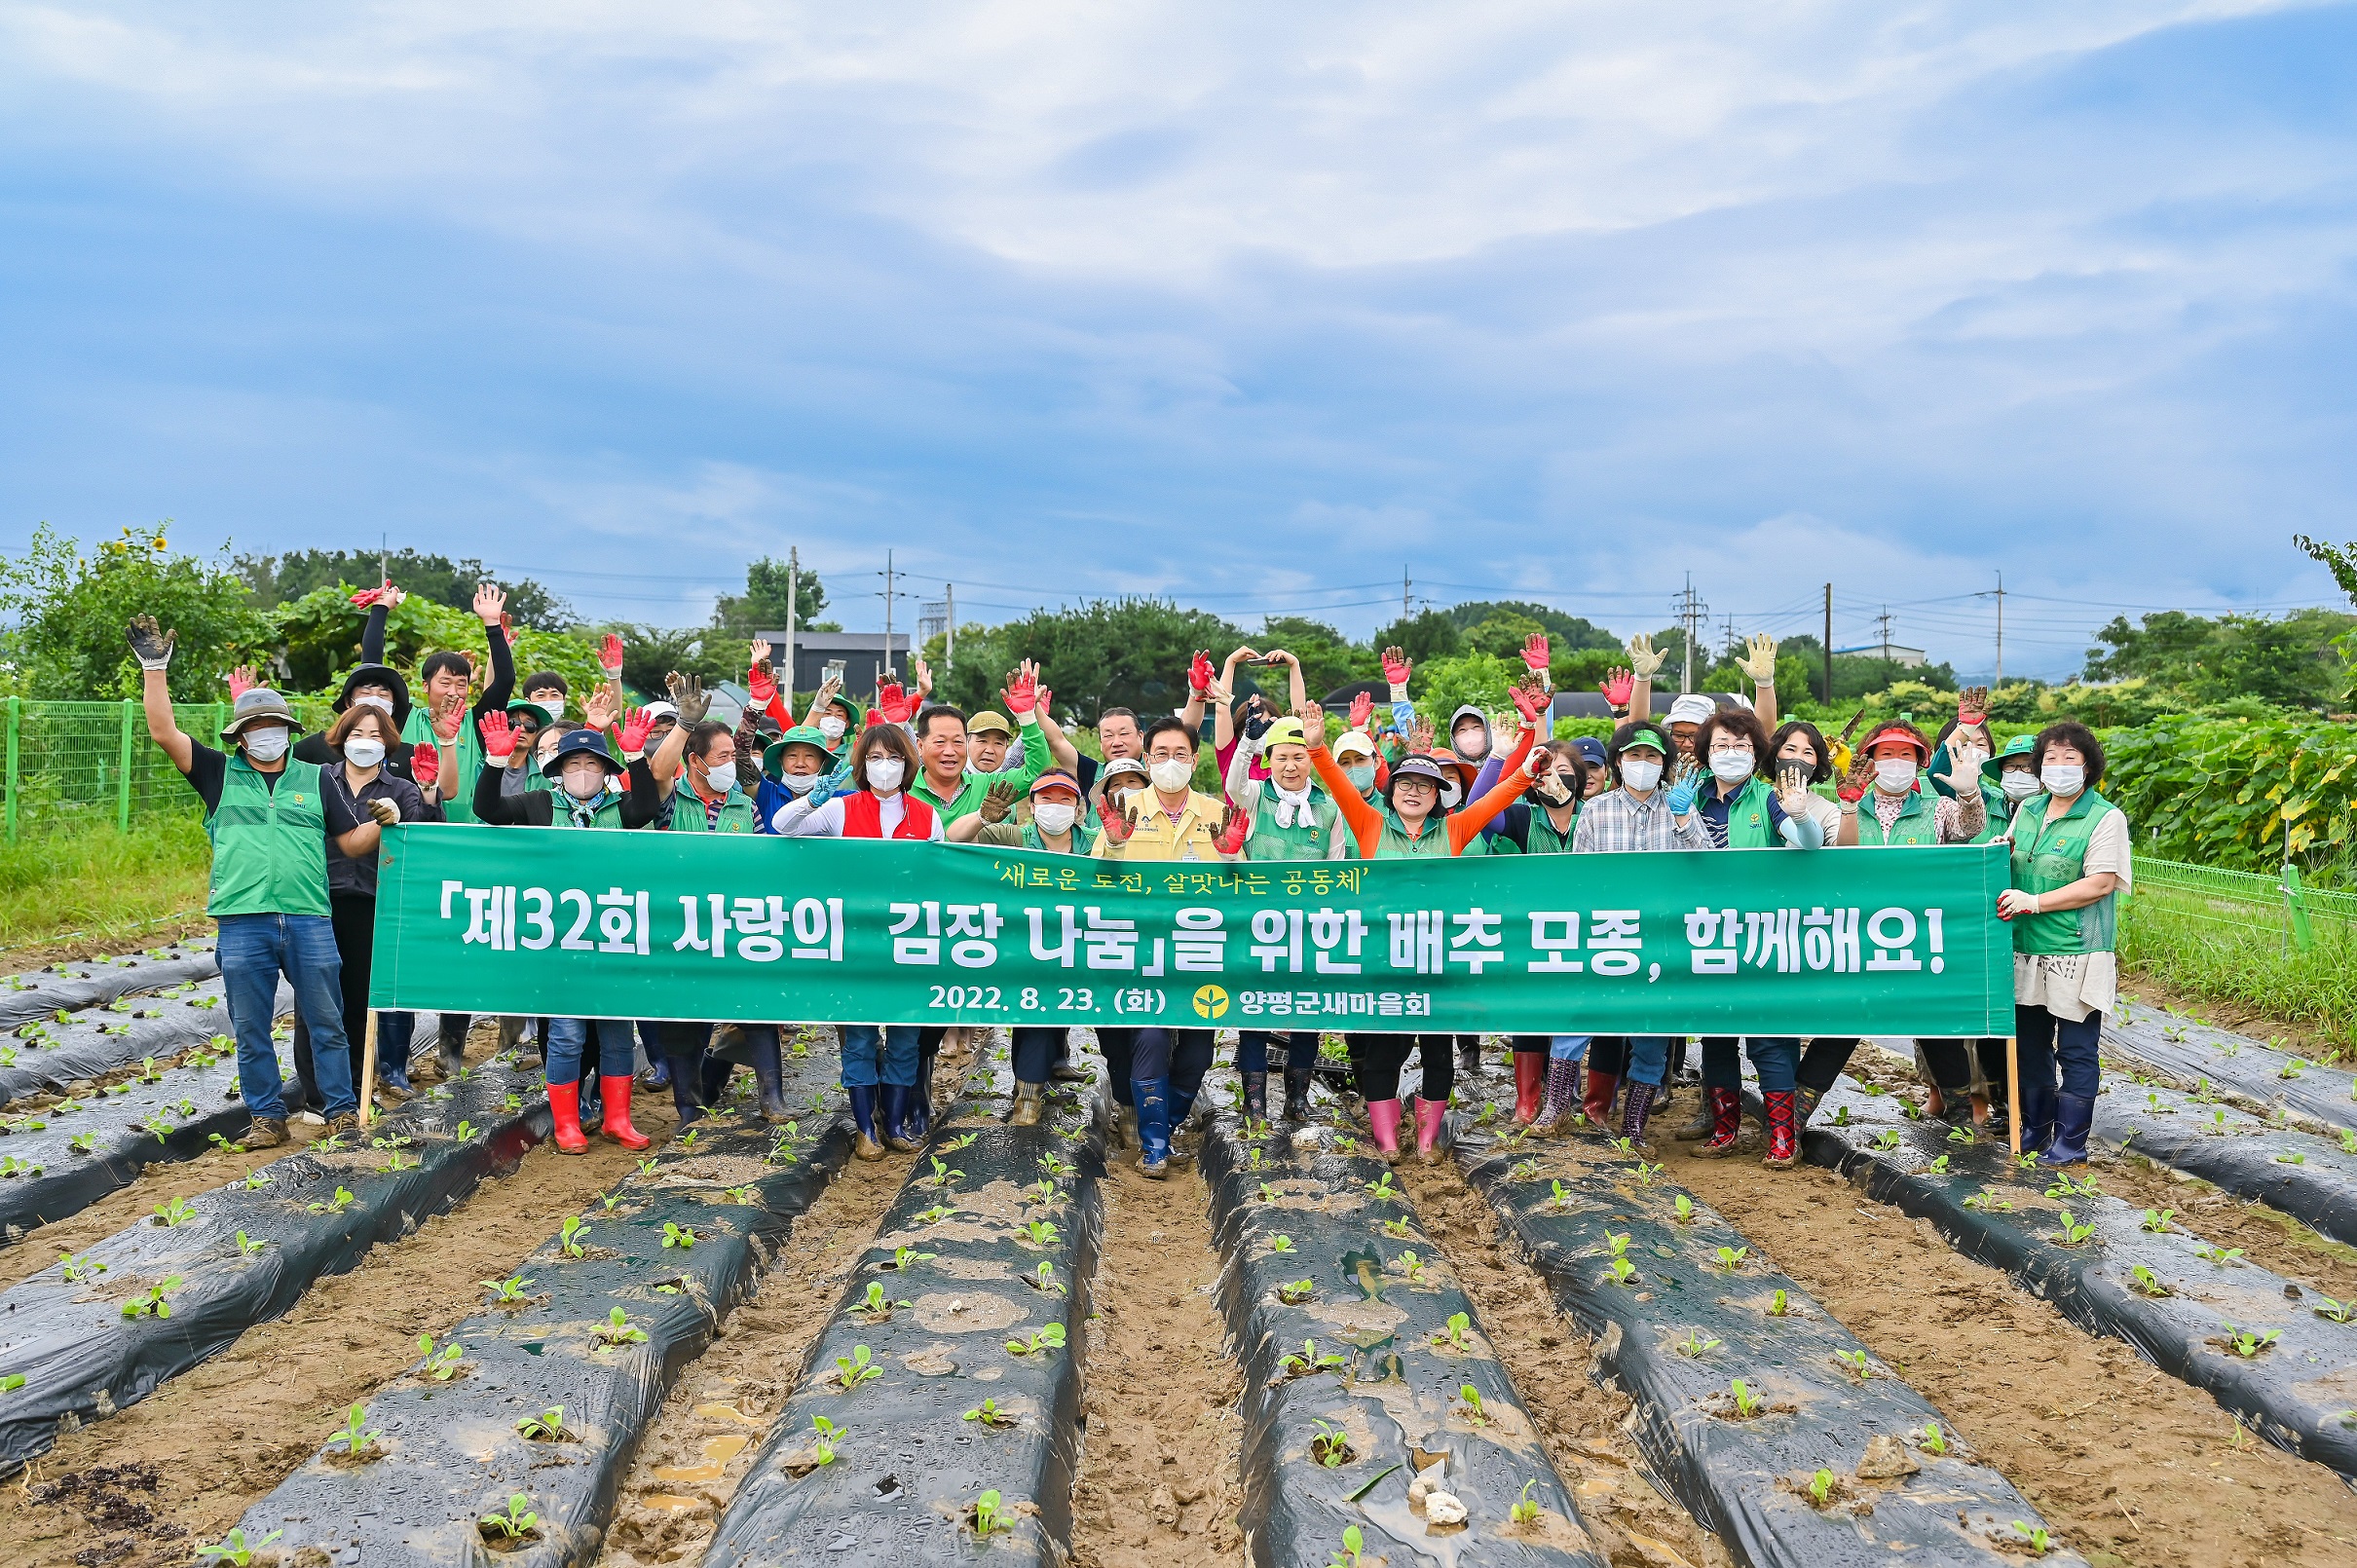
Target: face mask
[884, 773]
[832, 727]
[553, 707]
[722, 779]
[1471, 743]
[2019, 784]
[363, 753]
[266, 743]
[1450, 795]
[1731, 766]
[1640, 776]
[376, 700]
[1053, 818]
[1551, 789]
[1171, 774]
[584, 783]
[1362, 776]
[1893, 775]
[2064, 779]
[800, 783]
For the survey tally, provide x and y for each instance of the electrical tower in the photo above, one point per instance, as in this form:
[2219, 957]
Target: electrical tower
[1693, 616]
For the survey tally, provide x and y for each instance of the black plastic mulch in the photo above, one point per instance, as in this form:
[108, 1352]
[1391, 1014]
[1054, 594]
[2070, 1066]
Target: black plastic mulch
[96, 1041]
[1688, 1322]
[2298, 1391]
[83, 1359]
[450, 1451]
[908, 1468]
[2252, 1071]
[2304, 1174]
[46, 1175]
[94, 982]
[1405, 1345]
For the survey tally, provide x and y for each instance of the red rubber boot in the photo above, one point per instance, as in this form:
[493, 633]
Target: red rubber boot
[565, 1109]
[617, 1113]
[1783, 1140]
[1726, 1125]
[1530, 1077]
[1598, 1104]
[1383, 1121]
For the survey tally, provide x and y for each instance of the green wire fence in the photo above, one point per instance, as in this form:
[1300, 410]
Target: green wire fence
[79, 764]
[2250, 900]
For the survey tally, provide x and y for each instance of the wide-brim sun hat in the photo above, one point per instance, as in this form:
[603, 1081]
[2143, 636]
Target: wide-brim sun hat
[259, 703]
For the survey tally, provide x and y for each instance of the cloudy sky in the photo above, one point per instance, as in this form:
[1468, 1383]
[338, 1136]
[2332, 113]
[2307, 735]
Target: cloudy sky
[1261, 307]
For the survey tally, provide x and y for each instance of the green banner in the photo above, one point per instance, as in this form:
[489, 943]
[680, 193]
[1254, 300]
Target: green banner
[654, 925]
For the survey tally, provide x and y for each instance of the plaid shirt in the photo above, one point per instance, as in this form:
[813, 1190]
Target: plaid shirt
[1617, 822]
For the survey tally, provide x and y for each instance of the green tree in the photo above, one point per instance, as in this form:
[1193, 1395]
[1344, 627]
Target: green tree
[762, 607]
[276, 580]
[1565, 633]
[68, 611]
[309, 645]
[1106, 653]
[1328, 660]
[1427, 634]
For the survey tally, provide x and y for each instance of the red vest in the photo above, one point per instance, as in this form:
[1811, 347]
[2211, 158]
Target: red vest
[863, 817]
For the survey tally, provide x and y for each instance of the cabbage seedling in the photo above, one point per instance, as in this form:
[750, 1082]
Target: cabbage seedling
[1820, 1488]
[440, 1365]
[356, 1434]
[935, 1214]
[942, 1174]
[2338, 1311]
[988, 1516]
[546, 1427]
[178, 1212]
[255, 1182]
[516, 1103]
[618, 1329]
[1990, 1201]
[335, 1204]
[1041, 1232]
[1777, 1306]
[679, 1236]
[2156, 1221]
[1281, 1243]
[2073, 1232]
[1524, 1511]
[2024, 1161]
[1934, 1441]
[79, 1266]
[1395, 1229]
[1746, 1402]
[1940, 1165]
[2291, 1157]
[1887, 1139]
[569, 1239]
[247, 1246]
[1685, 1205]
[1622, 1271]
[509, 1290]
[1962, 1135]
[1854, 1361]
[1309, 1361]
[1330, 1447]
[963, 1141]
[646, 1166]
[2144, 1281]
[2223, 1256]
[1731, 1258]
[2065, 1187]
[1452, 1338]
[876, 1304]
[2248, 1343]
[465, 1130]
[1381, 1186]
[515, 1522]
[856, 1369]
[152, 1304]
[1354, 1545]
[1693, 1346]
[1624, 1145]
[1412, 1266]
[1296, 1291]
[824, 1435]
[2348, 1142]
[1055, 1165]
[1645, 1174]
[1043, 1280]
[1840, 1116]
[87, 1143]
[1269, 1194]
[2035, 1535]
[235, 1550]
[987, 1414]
[11, 1382]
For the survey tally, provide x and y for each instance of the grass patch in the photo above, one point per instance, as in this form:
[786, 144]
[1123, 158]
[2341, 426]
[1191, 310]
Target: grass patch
[101, 883]
[2253, 969]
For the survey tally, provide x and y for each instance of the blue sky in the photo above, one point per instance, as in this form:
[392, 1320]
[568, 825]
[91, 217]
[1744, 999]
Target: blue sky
[1254, 305]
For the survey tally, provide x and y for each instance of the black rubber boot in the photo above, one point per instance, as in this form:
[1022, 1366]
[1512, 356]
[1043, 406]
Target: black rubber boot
[715, 1085]
[450, 1046]
[686, 1083]
[1297, 1094]
[1255, 1095]
[768, 1070]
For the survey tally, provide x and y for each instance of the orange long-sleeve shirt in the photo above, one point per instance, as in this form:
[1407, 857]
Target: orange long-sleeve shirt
[1366, 821]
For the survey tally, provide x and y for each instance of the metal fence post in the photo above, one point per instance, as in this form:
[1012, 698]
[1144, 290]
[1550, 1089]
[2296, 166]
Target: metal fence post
[123, 777]
[15, 774]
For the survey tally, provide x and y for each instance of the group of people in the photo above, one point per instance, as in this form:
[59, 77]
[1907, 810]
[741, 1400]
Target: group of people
[295, 827]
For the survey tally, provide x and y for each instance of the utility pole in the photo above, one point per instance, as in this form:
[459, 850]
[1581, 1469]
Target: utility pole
[1883, 620]
[949, 647]
[891, 591]
[2001, 628]
[1829, 644]
[1727, 635]
[1693, 614]
[792, 605]
[1404, 586]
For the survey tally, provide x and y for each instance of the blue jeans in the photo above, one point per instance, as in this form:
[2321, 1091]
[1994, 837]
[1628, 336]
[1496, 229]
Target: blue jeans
[1648, 1059]
[1567, 1047]
[2046, 1043]
[1775, 1057]
[1039, 1047]
[569, 1040]
[254, 951]
[879, 1053]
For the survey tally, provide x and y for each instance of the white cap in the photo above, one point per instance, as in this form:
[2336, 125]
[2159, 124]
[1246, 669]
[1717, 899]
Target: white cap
[661, 710]
[1692, 709]
[1358, 740]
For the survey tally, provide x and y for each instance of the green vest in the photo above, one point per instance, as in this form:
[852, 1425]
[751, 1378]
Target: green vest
[1999, 811]
[1748, 825]
[1433, 841]
[1303, 840]
[2047, 857]
[1544, 840]
[1918, 823]
[609, 813]
[737, 815]
[269, 845]
[459, 808]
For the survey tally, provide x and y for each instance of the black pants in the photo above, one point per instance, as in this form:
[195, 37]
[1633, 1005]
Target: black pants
[1182, 1055]
[1951, 1064]
[1375, 1062]
[1120, 1048]
[1822, 1061]
[1608, 1054]
[353, 917]
[1526, 1044]
[1039, 1047]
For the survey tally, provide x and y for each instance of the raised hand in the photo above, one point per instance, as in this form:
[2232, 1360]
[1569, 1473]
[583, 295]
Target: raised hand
[828, 690]
[1119, 825]
[1759, 659]
[1396, 670]
[1199, 672]
[425, 764]
[1362, 709]
[924, 676]
[365, 597]
[1046, 703]
[151, 646]
[499, 737]
[761, 651]
[240, 682]
[1861, 774]
[1313, 720]
[1421, 736]
[1020, 694]
[1233, 824]
[688, 696]
[1535, 654]
[1682, 793]
[893, 702]
[1642, 659]
[1972, 705]
[996, 801]
[636, 724]
[491, 604]
[1530, 699]
[759, 681]
[609, 655]
[1619, 687]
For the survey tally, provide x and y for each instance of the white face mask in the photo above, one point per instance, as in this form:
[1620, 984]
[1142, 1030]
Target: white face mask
[1893, 775]
[265, 743]
[2019, 784]
[1640, 776]
[552, 707]
[721, 779]
[361, 751]
[2064, 779]
[1055, 818]
[376, 700]
[831, 727]
[884, 773]
[800, 783]
[584, 783]
[1171, 774]
[1731, 766]
[1450, 795]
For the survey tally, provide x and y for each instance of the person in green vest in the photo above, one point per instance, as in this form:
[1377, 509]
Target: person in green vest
[1964, 739]
[946, 781]
[1742, 810]
[1545, 822]
[592, 789]
[2070, 863]
[269, 819]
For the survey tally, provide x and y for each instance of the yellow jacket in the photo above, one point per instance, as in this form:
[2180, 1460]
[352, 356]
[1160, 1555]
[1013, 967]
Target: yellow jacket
[1159, 838]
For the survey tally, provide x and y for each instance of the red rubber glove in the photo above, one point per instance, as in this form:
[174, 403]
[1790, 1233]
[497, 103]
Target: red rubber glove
[366, 597]
[1199, 673]
[1534, 652]
[892, 703]
[1362, 709]
[762, 684]
[1532, 705]
[1046, 703]
[1230, 837]
[1022, 695]
[636, 722]
[240, 682]
[610, 654]
[499, 739]
[1617, 687]
[1396, 666]
[424, 762]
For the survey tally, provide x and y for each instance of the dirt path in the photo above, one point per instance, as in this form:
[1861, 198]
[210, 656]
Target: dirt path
[1158, 1484]
[178, 1468]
